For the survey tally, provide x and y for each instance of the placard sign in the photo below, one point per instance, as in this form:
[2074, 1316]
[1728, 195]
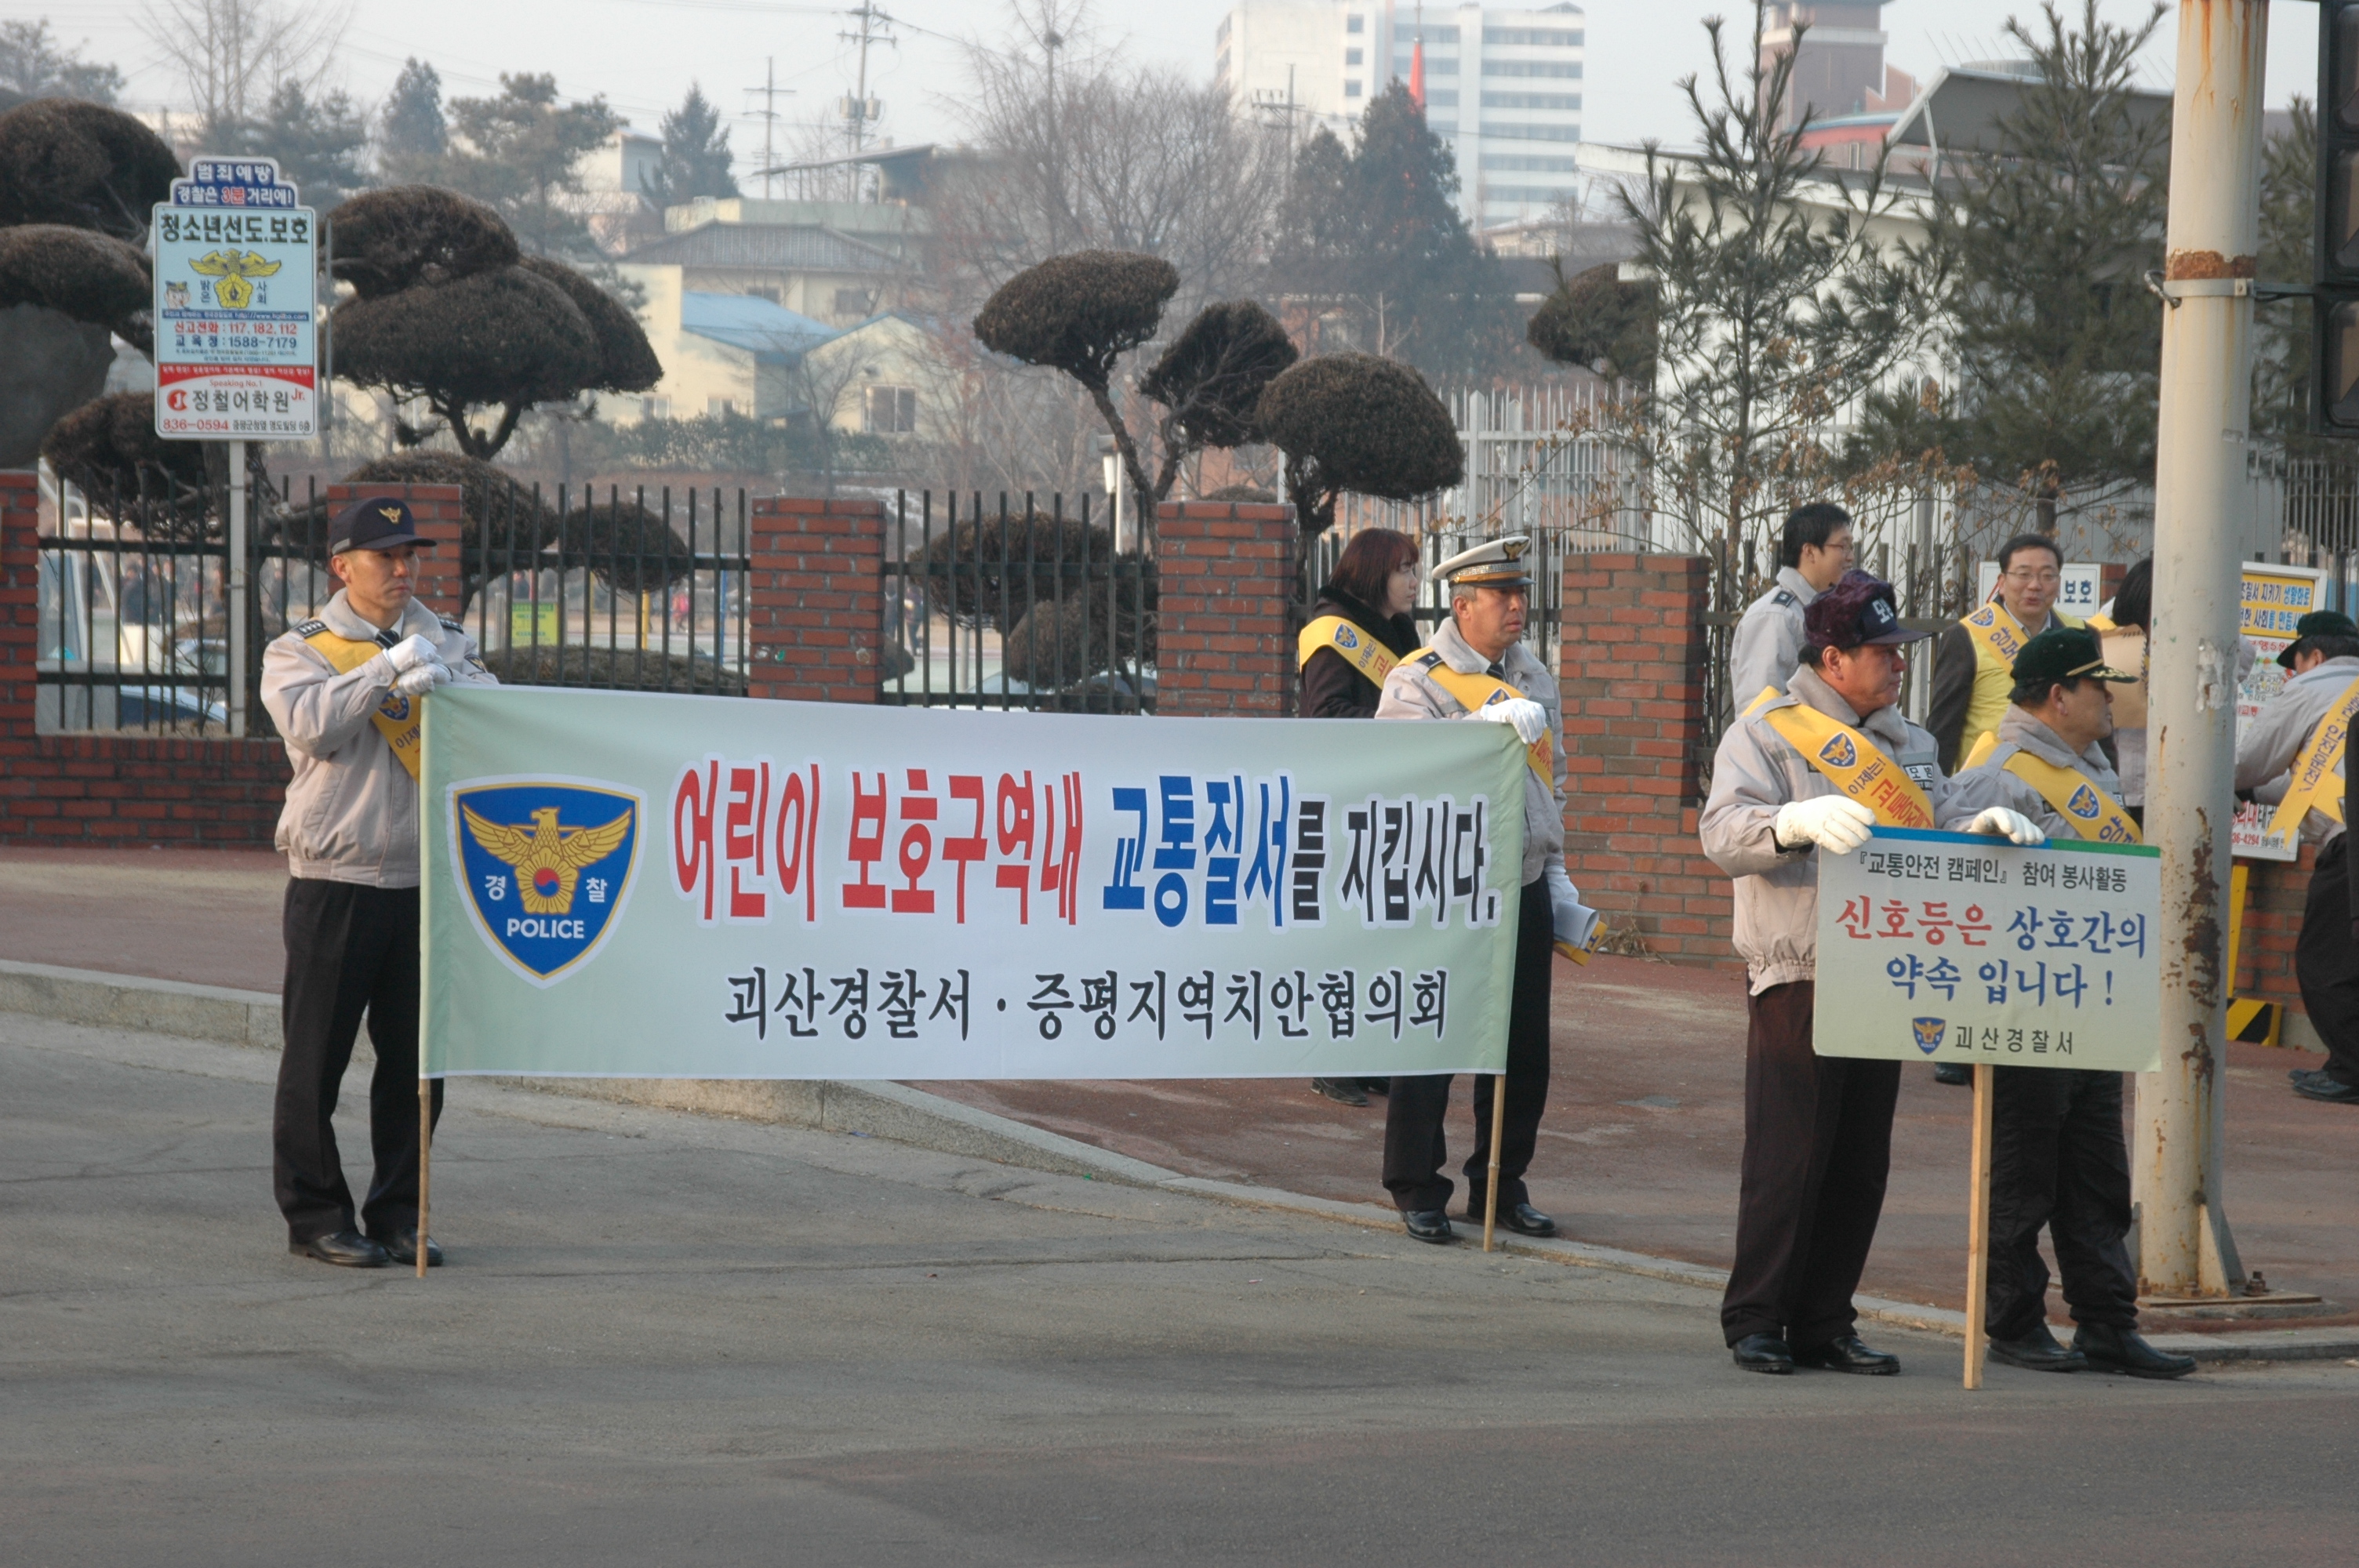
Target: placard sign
[237, 265]
[1962, 947]
[2274, 598]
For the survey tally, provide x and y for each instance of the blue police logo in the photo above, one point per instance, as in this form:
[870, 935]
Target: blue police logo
[395, 707]
[1928, 1032]
[2083, 804]
[1839, 753]
[546, 865]
[1346, 638]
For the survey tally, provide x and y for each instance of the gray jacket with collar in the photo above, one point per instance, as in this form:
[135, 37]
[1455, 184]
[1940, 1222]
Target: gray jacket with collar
[2266, 754]
[1769, 642]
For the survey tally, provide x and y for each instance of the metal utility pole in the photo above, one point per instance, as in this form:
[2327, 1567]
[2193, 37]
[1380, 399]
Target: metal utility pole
[2212, 238]
[768, 115]
[858, 109]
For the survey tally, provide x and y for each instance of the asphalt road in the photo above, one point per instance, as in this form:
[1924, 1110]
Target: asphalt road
[665, 1339]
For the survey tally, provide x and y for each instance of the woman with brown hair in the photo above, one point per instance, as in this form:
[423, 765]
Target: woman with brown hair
[1360, 628]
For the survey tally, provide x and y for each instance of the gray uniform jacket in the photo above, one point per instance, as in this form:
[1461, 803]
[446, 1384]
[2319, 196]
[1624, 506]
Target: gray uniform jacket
[351, 808]
[1410, 693]
[1755, 772]
[1991, 785]
[1768, 642]
[2266, 753]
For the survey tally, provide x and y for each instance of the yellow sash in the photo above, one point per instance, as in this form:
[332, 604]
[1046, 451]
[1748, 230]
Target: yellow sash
[2315, 784]
[400, 719]
[2093, 812]
[1997, 638]
[1997, 631]
[1361, 652]
[1480, 690]
[1769, 694]
[1853, 765]
[1983, 748]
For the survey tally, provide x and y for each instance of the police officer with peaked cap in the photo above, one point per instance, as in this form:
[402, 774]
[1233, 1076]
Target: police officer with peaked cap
[1815, 770]
[344, 691]
[2271, 756]
[1477, 668]
[2059, 1161]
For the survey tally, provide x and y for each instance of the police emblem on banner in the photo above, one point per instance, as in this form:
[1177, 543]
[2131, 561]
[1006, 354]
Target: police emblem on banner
[547, 864]
[1839, 751]
[1928, 1033]
[2083, 804]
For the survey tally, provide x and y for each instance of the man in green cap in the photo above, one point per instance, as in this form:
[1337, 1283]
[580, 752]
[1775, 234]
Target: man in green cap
[2291, 760]
[2059, 1161]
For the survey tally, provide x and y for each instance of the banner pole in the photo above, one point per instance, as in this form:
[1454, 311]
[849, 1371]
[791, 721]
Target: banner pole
[425, 1151]
[1978, 1226]
[1498, 1128]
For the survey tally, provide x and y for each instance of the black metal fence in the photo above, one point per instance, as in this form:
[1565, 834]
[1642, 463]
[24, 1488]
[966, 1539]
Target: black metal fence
[631, 590]
[1021, 604]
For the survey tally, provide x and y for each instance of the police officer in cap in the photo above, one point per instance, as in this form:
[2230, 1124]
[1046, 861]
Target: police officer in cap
[347, 692]
[2292, 761]
[2059, 1160]
[1478, 668]
[1814, 770]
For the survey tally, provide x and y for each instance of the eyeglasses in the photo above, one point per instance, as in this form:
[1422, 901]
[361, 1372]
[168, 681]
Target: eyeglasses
[2048, 578]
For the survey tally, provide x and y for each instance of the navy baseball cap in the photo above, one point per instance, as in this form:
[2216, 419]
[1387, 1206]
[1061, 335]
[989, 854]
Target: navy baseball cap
[1857, 610]
[378, 523]
[2317, 623]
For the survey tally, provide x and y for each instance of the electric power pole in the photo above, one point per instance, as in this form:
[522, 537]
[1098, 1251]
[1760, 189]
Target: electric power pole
[2209, 260]
[859, 109]
[768, 115]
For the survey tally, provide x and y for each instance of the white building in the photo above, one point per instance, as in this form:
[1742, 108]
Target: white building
[1503, 85]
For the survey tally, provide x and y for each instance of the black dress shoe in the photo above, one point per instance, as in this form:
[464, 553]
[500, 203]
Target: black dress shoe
[2327, 1087]
[2037, 1352]
[401, 1246]
[2121, 1350]
[1428, 1225]
[1341, 1090]
[1955, 1073]
[1763, 1353]
[1845, 1353]
[347, 1248]
[1520, 1217]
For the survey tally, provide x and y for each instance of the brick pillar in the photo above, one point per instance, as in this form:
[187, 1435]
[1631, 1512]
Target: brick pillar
[816, 598]
[439, 509]
[20, 519]
[1632, 676]
[1225, 632]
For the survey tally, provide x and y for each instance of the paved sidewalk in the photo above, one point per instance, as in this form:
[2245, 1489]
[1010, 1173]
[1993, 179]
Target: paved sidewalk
[1638, 1152]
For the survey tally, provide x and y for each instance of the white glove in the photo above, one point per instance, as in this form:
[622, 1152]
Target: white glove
[1836, 823]
[424, 678]
[409, 653]
[1575, 922]
[1529, 718]
[1999, 822]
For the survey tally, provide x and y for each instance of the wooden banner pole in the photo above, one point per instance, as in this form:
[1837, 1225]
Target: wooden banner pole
[1978, 1227]
[425, 1152]
[1498, 1128]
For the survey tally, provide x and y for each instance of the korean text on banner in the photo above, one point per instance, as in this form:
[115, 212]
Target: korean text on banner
[1962, 947]
[2273, 600]
[628, 884]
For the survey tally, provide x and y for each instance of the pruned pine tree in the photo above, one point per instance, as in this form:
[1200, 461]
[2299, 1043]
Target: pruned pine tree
[1775, 303]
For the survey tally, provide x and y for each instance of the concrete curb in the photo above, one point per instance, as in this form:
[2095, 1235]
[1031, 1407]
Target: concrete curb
[904, 1115]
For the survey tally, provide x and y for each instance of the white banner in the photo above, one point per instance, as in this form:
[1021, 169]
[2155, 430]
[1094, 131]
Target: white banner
[1961, 947]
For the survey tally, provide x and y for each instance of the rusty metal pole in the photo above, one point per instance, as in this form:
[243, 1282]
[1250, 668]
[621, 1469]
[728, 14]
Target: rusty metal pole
[2200, 502]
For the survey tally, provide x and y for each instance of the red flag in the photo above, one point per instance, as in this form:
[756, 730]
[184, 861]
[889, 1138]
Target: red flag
[1416, 73]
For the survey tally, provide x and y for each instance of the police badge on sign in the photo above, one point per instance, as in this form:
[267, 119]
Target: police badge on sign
[547, 864]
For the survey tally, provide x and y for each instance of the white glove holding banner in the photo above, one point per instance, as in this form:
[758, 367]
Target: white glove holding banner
[422, 678]
[412, 652]
[1529, 719]
[1573, 922]
[1999, 822]
[1836, 823]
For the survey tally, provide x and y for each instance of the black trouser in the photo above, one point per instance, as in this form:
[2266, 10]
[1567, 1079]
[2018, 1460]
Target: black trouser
[2326, 960]
[1414, 1112]
[2058, 1159]
[1818, 1146]
[349, 949]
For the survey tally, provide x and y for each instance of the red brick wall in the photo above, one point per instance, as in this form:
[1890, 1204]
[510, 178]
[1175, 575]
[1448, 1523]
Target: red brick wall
[2274, 894]
[1224, 636]
[816, 598]
[1632, 678]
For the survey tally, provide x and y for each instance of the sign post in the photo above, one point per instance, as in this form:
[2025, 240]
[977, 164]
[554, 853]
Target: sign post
[236, 268]
[1959, 947]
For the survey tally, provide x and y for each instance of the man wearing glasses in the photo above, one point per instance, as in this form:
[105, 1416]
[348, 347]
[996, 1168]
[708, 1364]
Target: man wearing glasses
[1973, 663]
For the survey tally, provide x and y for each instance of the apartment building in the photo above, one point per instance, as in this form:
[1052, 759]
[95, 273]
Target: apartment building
[1503, 85]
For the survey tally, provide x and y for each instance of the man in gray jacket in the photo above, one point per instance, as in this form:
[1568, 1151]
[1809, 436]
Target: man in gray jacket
[1815, 770]
[344, 691]
[1478, 668]
[1813, 556]
[2324, 658]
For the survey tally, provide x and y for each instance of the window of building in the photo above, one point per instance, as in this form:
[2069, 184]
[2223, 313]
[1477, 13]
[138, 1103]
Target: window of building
[1530, 163]
[720, 407]
[1355, 24]
[1351, 57]
[1561, 101]
[1516, 131]
[855, 302]
[757, 291]
[1351, 90]
[1435, 65]
[1547, 38]
[654, 407]
[889, 410]
[1525, 195]
[1406, 32]
[1531, 68]
[1441, 98]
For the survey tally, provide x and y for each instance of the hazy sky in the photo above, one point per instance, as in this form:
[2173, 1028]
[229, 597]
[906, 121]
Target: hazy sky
[642, 54]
